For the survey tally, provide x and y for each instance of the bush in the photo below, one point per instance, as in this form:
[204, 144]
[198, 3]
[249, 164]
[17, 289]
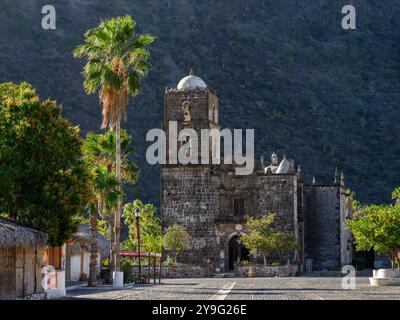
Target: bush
[127, 269]
[176, 239]
[169, 261]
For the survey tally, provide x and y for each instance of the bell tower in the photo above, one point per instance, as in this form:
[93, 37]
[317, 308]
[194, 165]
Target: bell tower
[189, 192]
[193, 105]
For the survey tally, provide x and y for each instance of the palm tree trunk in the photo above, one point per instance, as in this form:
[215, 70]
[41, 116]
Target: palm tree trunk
[93, 251]
[117, 222]
[112, 241]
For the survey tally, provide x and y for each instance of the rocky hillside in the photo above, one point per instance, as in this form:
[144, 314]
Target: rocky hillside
[321, 95]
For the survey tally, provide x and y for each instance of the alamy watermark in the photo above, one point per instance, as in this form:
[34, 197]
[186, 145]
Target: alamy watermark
[186, 147]
[349, 280]
[349, 20]
[49, 20]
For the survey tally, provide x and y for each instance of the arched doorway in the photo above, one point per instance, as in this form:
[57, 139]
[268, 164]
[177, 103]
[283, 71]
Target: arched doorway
[237, 252]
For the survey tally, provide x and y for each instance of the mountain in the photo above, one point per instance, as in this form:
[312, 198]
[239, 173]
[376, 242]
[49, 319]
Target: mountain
[324, 96]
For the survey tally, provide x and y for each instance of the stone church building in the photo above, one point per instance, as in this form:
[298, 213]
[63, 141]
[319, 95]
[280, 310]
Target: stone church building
[213, 204]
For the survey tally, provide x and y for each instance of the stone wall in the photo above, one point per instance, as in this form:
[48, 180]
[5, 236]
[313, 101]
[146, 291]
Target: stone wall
[363, 273]
[346, 238]
[322, 226]
[179, 271]
[265, 271]
[277, 195]
[201, 102]
[190, 199]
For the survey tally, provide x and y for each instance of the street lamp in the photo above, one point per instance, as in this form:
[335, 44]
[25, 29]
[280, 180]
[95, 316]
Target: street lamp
[137, 215]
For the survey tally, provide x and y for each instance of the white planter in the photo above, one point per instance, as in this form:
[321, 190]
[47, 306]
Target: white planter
[57, 291]
[118, 279]
[385, 277]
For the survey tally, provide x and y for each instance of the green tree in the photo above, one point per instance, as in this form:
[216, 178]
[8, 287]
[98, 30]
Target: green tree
[99, 154]
[117, 60]
[378, 227]
[105, 188]
[99, 149]
[176, 239]
[150, 226]
[284, 242]
[44, 182]
[263, 239]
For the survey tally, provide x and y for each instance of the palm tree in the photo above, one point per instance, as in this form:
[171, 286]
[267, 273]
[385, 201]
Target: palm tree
[117, 60]
[99, 150]
[105, 188]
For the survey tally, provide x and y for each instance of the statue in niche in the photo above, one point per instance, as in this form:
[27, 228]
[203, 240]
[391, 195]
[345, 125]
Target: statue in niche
[186, 111]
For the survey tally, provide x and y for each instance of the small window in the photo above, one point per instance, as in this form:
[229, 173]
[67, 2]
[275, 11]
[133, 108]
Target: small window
[238, 207]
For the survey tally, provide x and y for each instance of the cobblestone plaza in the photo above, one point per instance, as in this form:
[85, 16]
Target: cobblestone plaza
[301, 288]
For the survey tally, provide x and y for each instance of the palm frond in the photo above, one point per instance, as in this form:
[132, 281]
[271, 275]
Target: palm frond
[134, 83]
[117, 60]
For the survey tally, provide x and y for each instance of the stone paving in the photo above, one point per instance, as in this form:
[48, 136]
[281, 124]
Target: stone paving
[300, 288]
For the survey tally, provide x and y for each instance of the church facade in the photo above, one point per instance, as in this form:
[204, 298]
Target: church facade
[213, 203]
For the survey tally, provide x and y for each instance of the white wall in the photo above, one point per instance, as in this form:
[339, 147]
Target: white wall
[76, 265]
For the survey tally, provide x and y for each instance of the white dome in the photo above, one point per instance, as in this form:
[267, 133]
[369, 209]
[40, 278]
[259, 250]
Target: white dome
[191, 82]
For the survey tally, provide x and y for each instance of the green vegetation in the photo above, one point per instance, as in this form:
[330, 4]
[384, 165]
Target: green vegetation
[262, 239]
[175, 239]
[105, 187]
[116, 62]
[377, 227]
[100, 149]
[45, 183]
[150, 233]
[127, 265]
[99, 155]
[169, 261]
[150, 227]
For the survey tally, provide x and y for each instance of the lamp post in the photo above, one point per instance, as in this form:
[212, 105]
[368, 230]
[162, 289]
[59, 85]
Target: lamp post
[137, 216]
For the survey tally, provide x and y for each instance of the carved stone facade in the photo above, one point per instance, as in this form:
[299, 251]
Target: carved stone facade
[213, 203]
